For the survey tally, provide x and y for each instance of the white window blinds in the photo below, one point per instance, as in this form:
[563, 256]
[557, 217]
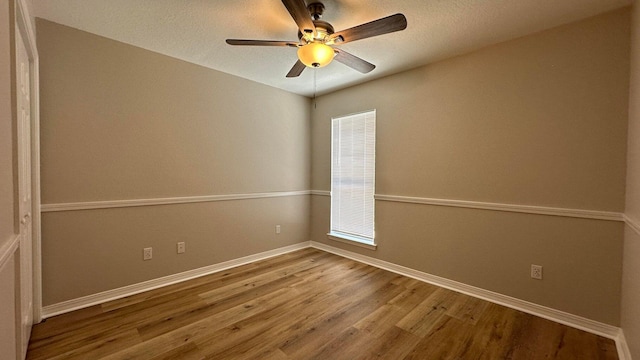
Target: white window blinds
[353, 176]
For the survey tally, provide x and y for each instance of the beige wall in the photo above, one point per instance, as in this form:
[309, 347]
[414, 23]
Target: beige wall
[540, 120]
[631, 263]
[6, 129]
[119, 122]
[633, 158]
[7, 270]
[109, 242]
[8, 310]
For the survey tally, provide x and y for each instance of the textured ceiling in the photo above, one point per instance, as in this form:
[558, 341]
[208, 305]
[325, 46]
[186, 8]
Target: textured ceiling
[195, 30]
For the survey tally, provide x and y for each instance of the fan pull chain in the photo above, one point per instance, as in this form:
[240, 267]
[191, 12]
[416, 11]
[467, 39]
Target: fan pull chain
[315, 85]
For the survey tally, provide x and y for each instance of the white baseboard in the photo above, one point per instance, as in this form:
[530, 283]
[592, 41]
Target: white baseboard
[562, 317]
[109, 295]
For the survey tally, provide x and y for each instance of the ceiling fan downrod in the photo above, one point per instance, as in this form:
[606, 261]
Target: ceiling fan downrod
[316, 9]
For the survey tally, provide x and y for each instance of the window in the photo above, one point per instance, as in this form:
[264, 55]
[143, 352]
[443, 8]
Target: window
[353, 147]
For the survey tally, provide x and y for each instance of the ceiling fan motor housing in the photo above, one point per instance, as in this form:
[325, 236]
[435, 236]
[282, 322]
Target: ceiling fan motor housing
[323, 29]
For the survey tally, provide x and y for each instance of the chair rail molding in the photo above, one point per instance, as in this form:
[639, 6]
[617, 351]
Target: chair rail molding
[633, 224]
[109, 204]
[7, 251]
[527, 209]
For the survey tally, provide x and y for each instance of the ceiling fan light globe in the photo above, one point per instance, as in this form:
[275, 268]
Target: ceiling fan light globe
[316, 55]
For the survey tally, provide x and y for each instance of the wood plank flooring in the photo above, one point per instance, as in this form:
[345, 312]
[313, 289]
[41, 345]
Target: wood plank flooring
[308, 304]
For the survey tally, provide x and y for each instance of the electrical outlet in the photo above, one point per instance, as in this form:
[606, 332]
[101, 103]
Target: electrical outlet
[147, 253]
[181, 247]
[536, 272]
[277, 229]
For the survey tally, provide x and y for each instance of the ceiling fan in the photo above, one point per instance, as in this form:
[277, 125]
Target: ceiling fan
[317, 38]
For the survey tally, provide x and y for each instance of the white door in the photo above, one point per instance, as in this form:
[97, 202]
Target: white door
[23, 90]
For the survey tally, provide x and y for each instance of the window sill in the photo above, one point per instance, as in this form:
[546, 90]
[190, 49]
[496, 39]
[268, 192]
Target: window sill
[351, 241]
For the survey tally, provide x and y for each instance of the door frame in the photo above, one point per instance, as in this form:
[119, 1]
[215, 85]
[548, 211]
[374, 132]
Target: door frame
[24, 24]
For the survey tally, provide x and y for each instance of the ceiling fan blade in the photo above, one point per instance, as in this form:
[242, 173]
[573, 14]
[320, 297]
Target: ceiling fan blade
[385, 25]
[353, 61]
[296, 70]
[300, 14]
[261, 43]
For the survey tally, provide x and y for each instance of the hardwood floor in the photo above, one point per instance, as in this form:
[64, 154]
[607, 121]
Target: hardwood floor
[308, 304]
